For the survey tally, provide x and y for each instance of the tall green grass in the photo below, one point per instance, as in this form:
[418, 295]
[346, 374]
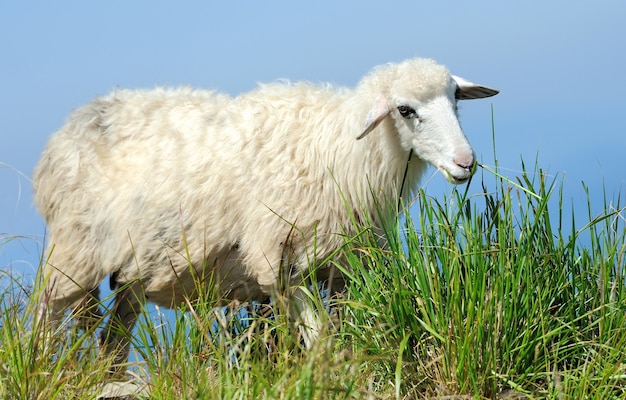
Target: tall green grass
[482, 295]
[487, 294]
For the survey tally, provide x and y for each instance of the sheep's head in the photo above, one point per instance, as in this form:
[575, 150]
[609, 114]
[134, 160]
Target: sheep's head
[420, 97]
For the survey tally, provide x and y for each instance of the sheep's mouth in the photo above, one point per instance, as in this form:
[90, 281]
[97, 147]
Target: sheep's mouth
[456, 179]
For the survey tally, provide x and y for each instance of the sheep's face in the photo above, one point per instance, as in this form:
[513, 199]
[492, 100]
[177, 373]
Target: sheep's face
[429, 125]
[431, 129]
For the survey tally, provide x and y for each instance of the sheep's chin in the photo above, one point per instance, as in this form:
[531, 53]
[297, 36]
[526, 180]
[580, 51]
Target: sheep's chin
[453, 179]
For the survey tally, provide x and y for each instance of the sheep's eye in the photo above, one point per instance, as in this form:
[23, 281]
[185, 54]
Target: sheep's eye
[407, 112]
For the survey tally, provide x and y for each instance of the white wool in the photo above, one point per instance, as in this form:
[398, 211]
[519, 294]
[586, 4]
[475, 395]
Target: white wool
[141, 184]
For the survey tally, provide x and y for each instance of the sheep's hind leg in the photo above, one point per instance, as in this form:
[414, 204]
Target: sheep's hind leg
[304, 313]
[88, 310]
[115, 338]
[57, 291]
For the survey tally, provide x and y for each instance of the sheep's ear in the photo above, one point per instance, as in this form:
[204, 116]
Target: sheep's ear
[466, 90]
[377, 113]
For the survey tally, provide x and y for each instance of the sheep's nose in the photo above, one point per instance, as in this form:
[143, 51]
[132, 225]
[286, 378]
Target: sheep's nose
[465, 161]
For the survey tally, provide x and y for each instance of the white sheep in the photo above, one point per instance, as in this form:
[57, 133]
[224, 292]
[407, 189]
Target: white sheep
[141, 185]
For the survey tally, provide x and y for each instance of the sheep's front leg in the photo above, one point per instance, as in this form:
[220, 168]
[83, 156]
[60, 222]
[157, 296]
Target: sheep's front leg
[304, 313]
[115, 338]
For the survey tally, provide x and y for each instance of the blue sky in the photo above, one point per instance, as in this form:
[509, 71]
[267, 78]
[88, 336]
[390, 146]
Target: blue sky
[559, 66]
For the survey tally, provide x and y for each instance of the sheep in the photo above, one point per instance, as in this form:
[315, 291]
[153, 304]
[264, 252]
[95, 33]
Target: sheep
[155, 187]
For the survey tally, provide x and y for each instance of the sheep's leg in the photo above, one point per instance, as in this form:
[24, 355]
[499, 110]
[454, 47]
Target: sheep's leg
[63, 289]
[60, 290]
[48, 314]
[88, 310]
[115, 338]
[304, 313]
[66, 288]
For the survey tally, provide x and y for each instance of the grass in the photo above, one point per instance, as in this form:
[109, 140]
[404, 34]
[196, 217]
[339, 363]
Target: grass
[491, 295]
